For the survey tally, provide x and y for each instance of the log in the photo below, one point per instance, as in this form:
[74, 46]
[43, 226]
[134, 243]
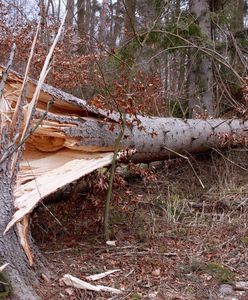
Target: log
[158, 139]
[71, 123]
[73, 139]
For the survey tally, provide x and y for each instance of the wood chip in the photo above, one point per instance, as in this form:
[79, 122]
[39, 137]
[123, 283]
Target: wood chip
[3, 267]
[80, 284]
[102, 275]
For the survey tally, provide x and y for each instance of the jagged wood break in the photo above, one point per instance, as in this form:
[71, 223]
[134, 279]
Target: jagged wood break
[73, 139]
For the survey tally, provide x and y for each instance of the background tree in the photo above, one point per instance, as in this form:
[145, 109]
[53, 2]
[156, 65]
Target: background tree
[70, 14]
[200, 79]
[172, 49]
[129, 20]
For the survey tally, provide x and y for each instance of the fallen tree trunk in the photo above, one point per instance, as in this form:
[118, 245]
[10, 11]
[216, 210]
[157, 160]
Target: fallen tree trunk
[73, 139]
[152, 138]
[71, 123]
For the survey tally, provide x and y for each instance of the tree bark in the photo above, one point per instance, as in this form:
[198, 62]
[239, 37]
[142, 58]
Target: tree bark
[72, 123]
[82, 30]
[70, 14]
[103, 22]
[21, 277]
[152, 138]
[129, 21]
[200, 78]
[237, 10]
[71, 126]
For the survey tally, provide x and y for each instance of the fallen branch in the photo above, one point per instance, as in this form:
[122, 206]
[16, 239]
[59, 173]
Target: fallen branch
[75, 139]
[80, 284]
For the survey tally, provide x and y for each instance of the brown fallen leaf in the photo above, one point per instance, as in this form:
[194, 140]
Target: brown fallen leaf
[156, 272]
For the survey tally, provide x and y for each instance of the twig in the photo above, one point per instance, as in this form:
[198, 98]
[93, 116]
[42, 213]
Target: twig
[111, 180]
[2, 85]
[190, 163]
[115, 156]
[207, 51]
[45, 70]
[6, 72]
[18, 103]
[229, 160]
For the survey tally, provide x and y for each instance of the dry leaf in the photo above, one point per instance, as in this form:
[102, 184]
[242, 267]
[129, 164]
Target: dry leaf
[156, 272]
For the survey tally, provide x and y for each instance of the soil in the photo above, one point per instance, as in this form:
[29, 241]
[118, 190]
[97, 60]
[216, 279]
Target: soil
[173, 238]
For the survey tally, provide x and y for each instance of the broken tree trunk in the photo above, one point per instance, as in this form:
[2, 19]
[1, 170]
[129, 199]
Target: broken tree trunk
[72, 139]
[18, 277]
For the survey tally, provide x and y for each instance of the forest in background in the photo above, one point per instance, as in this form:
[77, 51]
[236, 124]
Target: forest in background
[180, 225]
[164, 58]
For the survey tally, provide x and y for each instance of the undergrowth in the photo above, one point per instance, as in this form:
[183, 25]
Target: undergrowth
[185, 239]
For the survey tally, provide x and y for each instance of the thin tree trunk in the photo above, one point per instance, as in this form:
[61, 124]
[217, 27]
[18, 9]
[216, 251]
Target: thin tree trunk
[237, 15]
[81, 25]
[103, 22]
[70, 14]
[129, 21]
[201, 79]
[93, 19]
[117, 23]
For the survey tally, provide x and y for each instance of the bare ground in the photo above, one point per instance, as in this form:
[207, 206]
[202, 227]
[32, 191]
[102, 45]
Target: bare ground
[174, 238]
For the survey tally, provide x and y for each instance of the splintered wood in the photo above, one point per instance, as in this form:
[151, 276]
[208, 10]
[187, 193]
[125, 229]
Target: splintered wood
[52, 159]
[72, 139]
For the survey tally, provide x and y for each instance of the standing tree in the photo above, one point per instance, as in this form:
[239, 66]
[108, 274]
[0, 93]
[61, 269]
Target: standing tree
[81, 26]
[70, 14]
[129, 21]
[103, 22]
[200, 80]
[19, 276]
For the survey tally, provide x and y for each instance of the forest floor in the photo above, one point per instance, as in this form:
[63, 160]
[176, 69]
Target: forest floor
[174, 238]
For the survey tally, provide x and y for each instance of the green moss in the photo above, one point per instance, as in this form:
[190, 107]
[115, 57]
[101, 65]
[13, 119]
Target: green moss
[117, 217]
[172, 35]
[128, 51]
[221, 273]
[5, 287]
[94, 271]
[136, 296]
[244, 240]
[178, 109]
[196, 265]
